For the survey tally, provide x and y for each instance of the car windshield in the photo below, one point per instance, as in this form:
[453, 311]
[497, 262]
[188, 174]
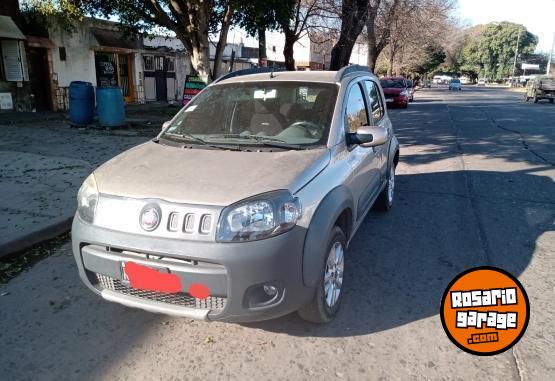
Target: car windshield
[396, 83]
[287, 114]
[409, 83]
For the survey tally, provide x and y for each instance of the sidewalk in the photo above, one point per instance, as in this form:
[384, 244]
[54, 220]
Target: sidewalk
[43, 161]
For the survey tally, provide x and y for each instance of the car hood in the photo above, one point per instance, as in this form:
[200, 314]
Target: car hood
[205, 176]
[392, 90]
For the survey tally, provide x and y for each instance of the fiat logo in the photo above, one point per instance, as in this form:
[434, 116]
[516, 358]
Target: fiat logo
[150, 218]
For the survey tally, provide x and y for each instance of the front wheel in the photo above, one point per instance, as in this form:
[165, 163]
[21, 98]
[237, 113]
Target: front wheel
[329, 291]
[385, 199]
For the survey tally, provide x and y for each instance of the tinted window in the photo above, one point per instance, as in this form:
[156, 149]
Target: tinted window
[356, 110]
[374, 101]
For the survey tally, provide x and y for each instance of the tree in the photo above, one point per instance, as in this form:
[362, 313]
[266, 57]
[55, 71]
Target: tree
[192, 21]
[489, 50]
[353, 19]
[378, 27]
[296, 23]
[416, 24]
[428, 59]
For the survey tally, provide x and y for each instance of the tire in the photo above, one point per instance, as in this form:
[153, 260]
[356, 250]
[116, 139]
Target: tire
[535, 99]
[385, 199]
[319, 309]
[526, 98]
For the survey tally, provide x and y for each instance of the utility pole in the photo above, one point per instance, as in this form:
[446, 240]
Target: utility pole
[516, 53]
[550, 56]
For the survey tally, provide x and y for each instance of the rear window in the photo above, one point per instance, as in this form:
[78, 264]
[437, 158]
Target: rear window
[455, 81]
[396, 83]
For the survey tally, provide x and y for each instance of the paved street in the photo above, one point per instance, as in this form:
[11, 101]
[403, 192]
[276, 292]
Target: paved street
[475, 187]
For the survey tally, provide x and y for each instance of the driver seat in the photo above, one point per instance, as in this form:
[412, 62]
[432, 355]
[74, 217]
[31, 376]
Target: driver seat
[266, 118]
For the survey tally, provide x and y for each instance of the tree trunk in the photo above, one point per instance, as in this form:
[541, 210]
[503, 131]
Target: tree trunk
[262, 57]
[353, 18]
[220, 46]
[391, 59]
[371, 31]
[288, 52]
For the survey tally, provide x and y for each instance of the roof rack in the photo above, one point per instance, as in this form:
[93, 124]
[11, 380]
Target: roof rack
[252, 70]
[348, 70]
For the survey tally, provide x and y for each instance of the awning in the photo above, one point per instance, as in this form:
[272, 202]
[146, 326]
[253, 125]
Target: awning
[8, 29]
[115, 39]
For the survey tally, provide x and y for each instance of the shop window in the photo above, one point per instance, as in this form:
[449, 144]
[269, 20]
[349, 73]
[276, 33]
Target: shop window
[62, 52]
[170, 63]
[14, 61]
[148, 63]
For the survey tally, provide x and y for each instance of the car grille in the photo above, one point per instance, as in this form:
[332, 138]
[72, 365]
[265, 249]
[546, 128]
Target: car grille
[179, 299]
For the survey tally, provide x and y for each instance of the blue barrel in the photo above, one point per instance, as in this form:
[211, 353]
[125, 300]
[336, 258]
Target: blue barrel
[110, 106]
[81, 102]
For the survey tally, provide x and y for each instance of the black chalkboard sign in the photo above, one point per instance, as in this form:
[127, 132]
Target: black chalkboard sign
[193, 85]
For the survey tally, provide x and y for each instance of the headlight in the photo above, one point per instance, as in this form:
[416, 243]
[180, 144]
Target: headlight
[404, 93]
[87, 198]
[263, 216]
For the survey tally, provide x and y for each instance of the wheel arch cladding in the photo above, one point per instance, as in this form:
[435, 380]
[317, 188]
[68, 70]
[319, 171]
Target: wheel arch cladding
[393, 152]
[332, 207]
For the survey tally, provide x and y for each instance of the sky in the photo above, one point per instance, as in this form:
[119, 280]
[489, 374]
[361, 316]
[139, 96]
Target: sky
[538, 16]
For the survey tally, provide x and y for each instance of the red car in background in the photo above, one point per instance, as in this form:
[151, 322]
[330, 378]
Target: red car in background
[396, 91]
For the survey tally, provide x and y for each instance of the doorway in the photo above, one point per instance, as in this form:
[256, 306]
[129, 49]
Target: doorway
[39, 78]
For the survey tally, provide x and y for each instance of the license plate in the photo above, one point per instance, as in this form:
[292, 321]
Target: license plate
[150, 278]
[389, 100]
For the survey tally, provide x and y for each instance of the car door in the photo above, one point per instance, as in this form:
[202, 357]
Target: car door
[364, 164]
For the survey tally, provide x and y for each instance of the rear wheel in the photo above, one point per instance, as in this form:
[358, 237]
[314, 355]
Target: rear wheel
[329, 291]
[385, 199]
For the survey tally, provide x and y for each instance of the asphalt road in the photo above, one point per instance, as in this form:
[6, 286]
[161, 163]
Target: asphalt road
[475, 187]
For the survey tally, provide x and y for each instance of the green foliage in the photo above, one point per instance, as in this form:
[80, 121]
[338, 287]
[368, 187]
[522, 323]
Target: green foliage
[431, 57]
[252, 14]
[61, 14]
[489, 50]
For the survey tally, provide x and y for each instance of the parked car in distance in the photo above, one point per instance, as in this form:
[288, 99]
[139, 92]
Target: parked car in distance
[396, 91]
[540, 87]
[242, 208]
[482, 82]
[455, 84]
[410, 84]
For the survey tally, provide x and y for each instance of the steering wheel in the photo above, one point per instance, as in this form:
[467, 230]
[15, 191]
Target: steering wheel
[312, 129]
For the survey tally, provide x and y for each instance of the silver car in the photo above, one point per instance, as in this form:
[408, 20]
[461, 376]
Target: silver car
[243, 207]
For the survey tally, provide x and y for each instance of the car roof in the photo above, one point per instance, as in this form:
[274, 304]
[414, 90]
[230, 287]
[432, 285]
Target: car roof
[305, 76]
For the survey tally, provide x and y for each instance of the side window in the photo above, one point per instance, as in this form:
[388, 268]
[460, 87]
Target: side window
[375, 101]
[356, 115]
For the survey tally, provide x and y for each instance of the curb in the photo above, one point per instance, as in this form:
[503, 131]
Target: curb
[47, 233]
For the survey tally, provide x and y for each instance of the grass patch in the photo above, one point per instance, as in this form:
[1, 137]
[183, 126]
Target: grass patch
[14, 265]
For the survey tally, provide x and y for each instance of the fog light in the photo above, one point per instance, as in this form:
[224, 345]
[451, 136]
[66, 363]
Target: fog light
[270, 290]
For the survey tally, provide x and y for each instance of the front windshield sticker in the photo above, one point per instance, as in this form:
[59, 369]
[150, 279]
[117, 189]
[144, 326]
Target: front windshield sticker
[265, 94]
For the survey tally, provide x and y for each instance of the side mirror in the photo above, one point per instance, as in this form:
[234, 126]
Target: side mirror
[370, 136]
[166, 124]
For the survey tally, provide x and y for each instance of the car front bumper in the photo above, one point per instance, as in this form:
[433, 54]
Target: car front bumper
[235, 273]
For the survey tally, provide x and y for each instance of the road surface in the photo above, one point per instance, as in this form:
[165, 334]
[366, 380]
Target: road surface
[475, 187]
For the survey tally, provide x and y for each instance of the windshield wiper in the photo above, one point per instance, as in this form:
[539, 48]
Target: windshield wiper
[204, 143]
[266, 141]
